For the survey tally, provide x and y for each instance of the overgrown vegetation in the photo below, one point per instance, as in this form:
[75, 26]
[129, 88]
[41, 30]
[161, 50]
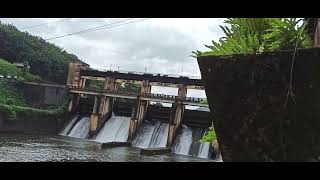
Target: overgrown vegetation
[130, 88]
[7, 68]
[95, 85]
[210, 136]
[256, 35]
[47, 60]
[9, 95]
[14, 112]
[204, 101]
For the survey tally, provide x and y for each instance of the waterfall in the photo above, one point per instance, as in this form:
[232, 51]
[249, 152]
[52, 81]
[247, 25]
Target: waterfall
[144, 134]
[68, 127]
[115, 129]
[183, 141]
[160, 135]
[81, 129]
[187, 142]
[204, 150]
[151, 135]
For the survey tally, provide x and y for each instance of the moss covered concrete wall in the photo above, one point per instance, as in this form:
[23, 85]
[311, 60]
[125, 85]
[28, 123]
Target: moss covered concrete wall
[247, 96]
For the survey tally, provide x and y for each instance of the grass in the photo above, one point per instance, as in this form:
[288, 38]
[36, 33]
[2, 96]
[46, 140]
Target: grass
[7, 68]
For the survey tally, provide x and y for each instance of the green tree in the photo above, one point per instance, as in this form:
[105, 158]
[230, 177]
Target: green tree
[46, 60]
[130, 88]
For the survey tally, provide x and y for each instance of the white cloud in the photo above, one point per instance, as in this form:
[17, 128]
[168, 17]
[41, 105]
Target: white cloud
[162, 45]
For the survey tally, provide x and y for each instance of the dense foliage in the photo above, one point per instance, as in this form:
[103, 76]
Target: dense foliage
[19, 112]
[46, 59]
[130, 88]
[9, 95]
[210, 136]
[95, 85]
[255, 35]
[204, 101]
[7, 68]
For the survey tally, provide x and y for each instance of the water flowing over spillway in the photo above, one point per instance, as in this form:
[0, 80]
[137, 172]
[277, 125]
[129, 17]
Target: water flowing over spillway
[151, 135]
[204, 150]
[68, 127]
[81, 129]
[115, 129]
[187, 142]
[183, 141]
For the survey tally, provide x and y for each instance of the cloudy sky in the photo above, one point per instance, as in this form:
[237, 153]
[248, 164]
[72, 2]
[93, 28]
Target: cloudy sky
[157, 45]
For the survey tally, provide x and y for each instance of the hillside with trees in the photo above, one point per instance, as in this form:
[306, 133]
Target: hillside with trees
[47, 60]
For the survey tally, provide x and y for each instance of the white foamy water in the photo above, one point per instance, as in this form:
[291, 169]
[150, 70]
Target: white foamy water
[68, 127]
[115, 129]
[152, 135]
[187, 142]
[143, 137]
[204, 150]
[81, 129]
[183, 141]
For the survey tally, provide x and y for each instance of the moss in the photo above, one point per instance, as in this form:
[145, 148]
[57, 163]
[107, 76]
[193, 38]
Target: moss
[19, 112]
[8, 94]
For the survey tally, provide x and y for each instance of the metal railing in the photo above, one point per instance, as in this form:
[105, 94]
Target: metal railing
[150, 73]
[146, 95]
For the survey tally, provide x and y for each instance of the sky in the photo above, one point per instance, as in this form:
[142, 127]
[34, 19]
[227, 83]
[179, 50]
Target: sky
[157, 45]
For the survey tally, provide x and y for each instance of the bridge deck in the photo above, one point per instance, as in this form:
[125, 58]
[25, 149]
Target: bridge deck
[148, 97]
[145, 76]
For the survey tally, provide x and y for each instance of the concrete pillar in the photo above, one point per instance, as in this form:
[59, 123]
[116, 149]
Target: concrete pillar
[182, 91]
[138, 115]
[73, 103]
[94, 117]
[73, 80]
[146, 87]
[110, 84]
[176, 116]
[70, 106]
[83, 85]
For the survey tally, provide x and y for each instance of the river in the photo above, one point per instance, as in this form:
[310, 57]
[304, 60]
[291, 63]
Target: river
[37, 148]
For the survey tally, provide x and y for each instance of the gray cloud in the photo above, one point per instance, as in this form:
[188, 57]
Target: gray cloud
[160, 45]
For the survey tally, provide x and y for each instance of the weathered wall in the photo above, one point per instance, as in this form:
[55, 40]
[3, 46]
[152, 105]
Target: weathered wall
[30, 126]
[247, 96]
[39, 94]
[155, 112]
[195, 118]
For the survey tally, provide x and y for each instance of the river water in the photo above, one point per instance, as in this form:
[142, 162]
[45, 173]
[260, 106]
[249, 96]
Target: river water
[31, 148]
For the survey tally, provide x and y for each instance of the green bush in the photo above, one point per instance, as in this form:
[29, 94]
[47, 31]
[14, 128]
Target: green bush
[8, 92]
[19, 112]
[7, 68]
[256, 35]
[9, 101]
[210, 136]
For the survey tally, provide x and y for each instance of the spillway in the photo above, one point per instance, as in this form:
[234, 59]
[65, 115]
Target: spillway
[187, 142]
[81, 129]
[67, 129]
[115, 129]
[151, 135]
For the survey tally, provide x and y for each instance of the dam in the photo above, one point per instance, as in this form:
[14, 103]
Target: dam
[138, 119]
